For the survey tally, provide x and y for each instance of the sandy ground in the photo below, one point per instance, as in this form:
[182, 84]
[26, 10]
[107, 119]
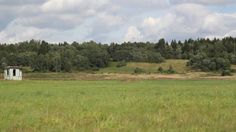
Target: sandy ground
[189, 76]
[115, 76]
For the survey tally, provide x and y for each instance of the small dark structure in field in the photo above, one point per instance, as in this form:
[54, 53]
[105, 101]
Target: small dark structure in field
[13, 73]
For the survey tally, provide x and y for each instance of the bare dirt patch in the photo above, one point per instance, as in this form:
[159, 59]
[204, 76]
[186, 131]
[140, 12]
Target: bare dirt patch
[123, 77]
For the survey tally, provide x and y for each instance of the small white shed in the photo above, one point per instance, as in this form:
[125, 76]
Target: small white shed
[13, 73]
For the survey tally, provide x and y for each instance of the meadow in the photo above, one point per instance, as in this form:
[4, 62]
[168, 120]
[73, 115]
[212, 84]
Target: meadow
[178, 65]
[150, 105]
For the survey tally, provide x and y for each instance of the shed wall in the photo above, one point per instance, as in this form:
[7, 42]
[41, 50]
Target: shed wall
[9, 75]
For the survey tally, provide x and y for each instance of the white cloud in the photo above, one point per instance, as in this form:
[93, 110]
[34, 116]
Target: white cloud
[17, 33]
[114, 20]
[88, 6]
[133, 34]
[63, 21]
[187, 21]
[218, 22]
[204, 2]
[21, 2]
[104, 22]
[142, 3]
[231, 33]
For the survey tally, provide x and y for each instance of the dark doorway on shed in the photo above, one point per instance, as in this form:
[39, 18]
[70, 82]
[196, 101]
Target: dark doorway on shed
[14, 72]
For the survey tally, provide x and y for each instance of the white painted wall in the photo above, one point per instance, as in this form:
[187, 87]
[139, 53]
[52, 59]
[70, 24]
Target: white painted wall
[18, 75]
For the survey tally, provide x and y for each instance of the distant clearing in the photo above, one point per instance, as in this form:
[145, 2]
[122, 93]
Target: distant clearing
[178, 65]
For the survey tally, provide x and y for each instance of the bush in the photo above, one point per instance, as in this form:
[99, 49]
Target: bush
[160, 69]
[226, 73]
[81, 62]
[139, 70]
[95, 69]
[27, 69]
[205, 63]
[121, 64]
[170, 70]
[155, 57]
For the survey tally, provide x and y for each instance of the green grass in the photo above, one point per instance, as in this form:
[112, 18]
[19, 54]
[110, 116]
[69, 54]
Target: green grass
[178, 65]
[164, 105]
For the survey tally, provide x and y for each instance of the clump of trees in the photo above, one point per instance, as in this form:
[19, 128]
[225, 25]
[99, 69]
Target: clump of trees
[206, 63]
[215, 55]
[203, 54]
[42, 56]
[135, 52]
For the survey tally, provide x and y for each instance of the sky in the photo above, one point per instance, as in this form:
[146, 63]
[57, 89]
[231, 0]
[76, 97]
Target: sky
[109, 21]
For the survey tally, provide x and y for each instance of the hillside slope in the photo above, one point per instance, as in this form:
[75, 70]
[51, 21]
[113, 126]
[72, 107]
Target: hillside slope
[178, 65]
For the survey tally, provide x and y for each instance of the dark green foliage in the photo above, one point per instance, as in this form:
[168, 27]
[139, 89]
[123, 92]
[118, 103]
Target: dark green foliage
[120, 55]
[161, 47]
[3, 63]
[95, 69]
[176, 50]
[44, 48]
[81, 62]
[55, 62]
[209, 64]
[160, 70]
[135, 52]
[42, 56]
[27, 69]
[203, 54]
[121, 64]
[226, 73]
[232, 58]
[154, 57]
[97, 56]
[138, 70]
[170, 70]
[40, 63]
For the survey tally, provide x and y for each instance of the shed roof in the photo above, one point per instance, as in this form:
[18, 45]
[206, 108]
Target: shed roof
[13, 67]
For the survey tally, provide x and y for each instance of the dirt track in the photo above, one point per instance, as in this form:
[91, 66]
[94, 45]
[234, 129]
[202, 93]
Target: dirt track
[114, 76]
[161, 76]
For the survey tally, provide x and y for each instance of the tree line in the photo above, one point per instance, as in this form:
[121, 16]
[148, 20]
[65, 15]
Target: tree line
[41, 56]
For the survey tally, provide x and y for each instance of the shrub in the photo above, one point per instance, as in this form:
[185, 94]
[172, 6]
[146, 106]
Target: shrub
[138, 70]
[155, 57]
[160, 69]
[209, 63]
[170, 70]
[95, 69]
[27, 69]
[226, 73]
[121, 64]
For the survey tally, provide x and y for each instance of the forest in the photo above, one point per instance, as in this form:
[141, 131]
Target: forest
[41, 56]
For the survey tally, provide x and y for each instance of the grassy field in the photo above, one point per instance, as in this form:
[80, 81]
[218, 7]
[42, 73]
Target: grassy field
[178, 65]
[164, 105]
